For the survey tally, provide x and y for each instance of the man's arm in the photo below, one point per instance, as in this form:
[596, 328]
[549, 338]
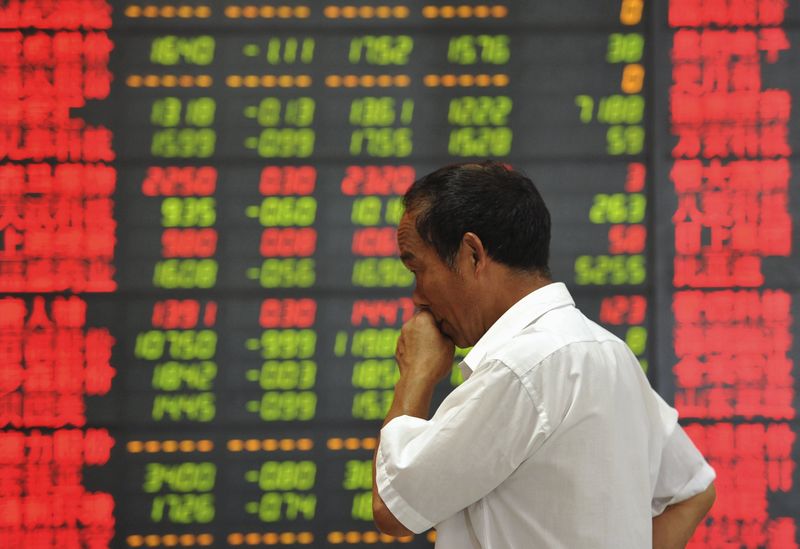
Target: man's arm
[424, 357]
[411, 398]
[673, 528]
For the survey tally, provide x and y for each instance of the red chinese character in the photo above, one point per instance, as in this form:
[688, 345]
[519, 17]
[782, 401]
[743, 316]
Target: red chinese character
[685, 13]
[97, 509]
[688, 145]
[69, 312]
[782, 532]
[97, 446]
[12, 448]
[38, 479]
[11, 513]
[742, 13]
[772, 41]
[10, 482]
[686, 79]
[70, 410]
[68, 447]
[11, 410]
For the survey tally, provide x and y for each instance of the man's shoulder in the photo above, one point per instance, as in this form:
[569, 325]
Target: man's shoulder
[554, 335]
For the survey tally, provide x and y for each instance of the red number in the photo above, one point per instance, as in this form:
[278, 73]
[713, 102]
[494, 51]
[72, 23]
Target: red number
[375, 241]
[188, 242]
[299, 180]
[180, 181]
[288, 313]
[623, 309]
[378, 180]
[627, 239]
[289, 242]
[176, 313]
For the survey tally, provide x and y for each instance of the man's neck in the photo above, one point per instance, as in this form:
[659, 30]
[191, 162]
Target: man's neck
[508, 288]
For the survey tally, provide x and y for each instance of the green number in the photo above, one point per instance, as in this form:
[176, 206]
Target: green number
[484, 141]
[183, 508]
[469, 49]
[181, 477]
[362, 506]
[171, 50]
[586, 105]
[621, 109]
[182, 345]
[290, 50]
[374, 342]
[479, 111]
[288, 374]
[375, 374]
[288, 406]
[286, 142]
[287, 475]
[357, 475]
[618, 208]
[290, 506]
[185, 273]
[462, 50]
[150, 345]
[637, 206]
[287, 273]
[288, 344]
[285, 211]
[190, 407]
[173, 375]
[188, 212]
[183, 143]
[366, 211]
[269, 111]
[200, 111]
[610, 270]
[386, 272]
[192, 344]
[300, 111]
[381, 50]
[494, 49]
[372, 404]
[373, 111]
[624, 140]
[166, 112]
[625, 48]
[382, 142]
[636, 338]
[394, 210]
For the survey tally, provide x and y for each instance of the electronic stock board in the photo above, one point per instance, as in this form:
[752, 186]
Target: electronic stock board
[201, 292]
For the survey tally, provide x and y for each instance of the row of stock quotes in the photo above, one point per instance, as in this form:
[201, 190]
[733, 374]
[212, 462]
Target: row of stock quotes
[201, 288]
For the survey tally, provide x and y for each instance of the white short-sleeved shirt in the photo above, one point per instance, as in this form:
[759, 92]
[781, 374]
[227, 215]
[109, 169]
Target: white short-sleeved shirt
[555, 440]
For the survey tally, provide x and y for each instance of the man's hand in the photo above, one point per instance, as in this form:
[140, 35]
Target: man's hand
[424, 356]
[673, 528]
[424, 353]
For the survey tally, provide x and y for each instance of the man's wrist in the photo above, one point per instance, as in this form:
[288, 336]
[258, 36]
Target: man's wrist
[412, 397]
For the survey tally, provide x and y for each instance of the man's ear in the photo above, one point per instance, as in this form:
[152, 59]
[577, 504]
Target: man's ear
[476, 256]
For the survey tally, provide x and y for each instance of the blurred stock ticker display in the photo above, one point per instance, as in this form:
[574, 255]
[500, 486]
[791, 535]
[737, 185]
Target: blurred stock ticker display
[201, 293]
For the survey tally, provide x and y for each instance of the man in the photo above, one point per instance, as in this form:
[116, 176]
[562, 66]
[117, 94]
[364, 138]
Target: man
[555, 439]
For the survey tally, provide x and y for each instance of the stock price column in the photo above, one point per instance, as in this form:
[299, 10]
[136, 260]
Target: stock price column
[577, 98]
[734, 265]
[169, 269]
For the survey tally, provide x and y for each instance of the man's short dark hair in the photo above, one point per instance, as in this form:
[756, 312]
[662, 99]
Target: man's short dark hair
[500, 205]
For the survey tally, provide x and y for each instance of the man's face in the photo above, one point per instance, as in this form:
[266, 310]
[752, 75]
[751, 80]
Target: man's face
[440, 289]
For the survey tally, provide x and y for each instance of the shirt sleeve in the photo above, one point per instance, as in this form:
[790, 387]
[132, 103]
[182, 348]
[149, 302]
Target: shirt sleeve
[427, 470]
[683, 472]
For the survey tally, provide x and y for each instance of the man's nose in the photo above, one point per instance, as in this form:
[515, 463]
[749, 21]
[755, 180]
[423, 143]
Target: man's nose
[419, 299]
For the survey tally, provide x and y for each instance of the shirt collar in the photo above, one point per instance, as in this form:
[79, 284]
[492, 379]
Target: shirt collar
[521, 314]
